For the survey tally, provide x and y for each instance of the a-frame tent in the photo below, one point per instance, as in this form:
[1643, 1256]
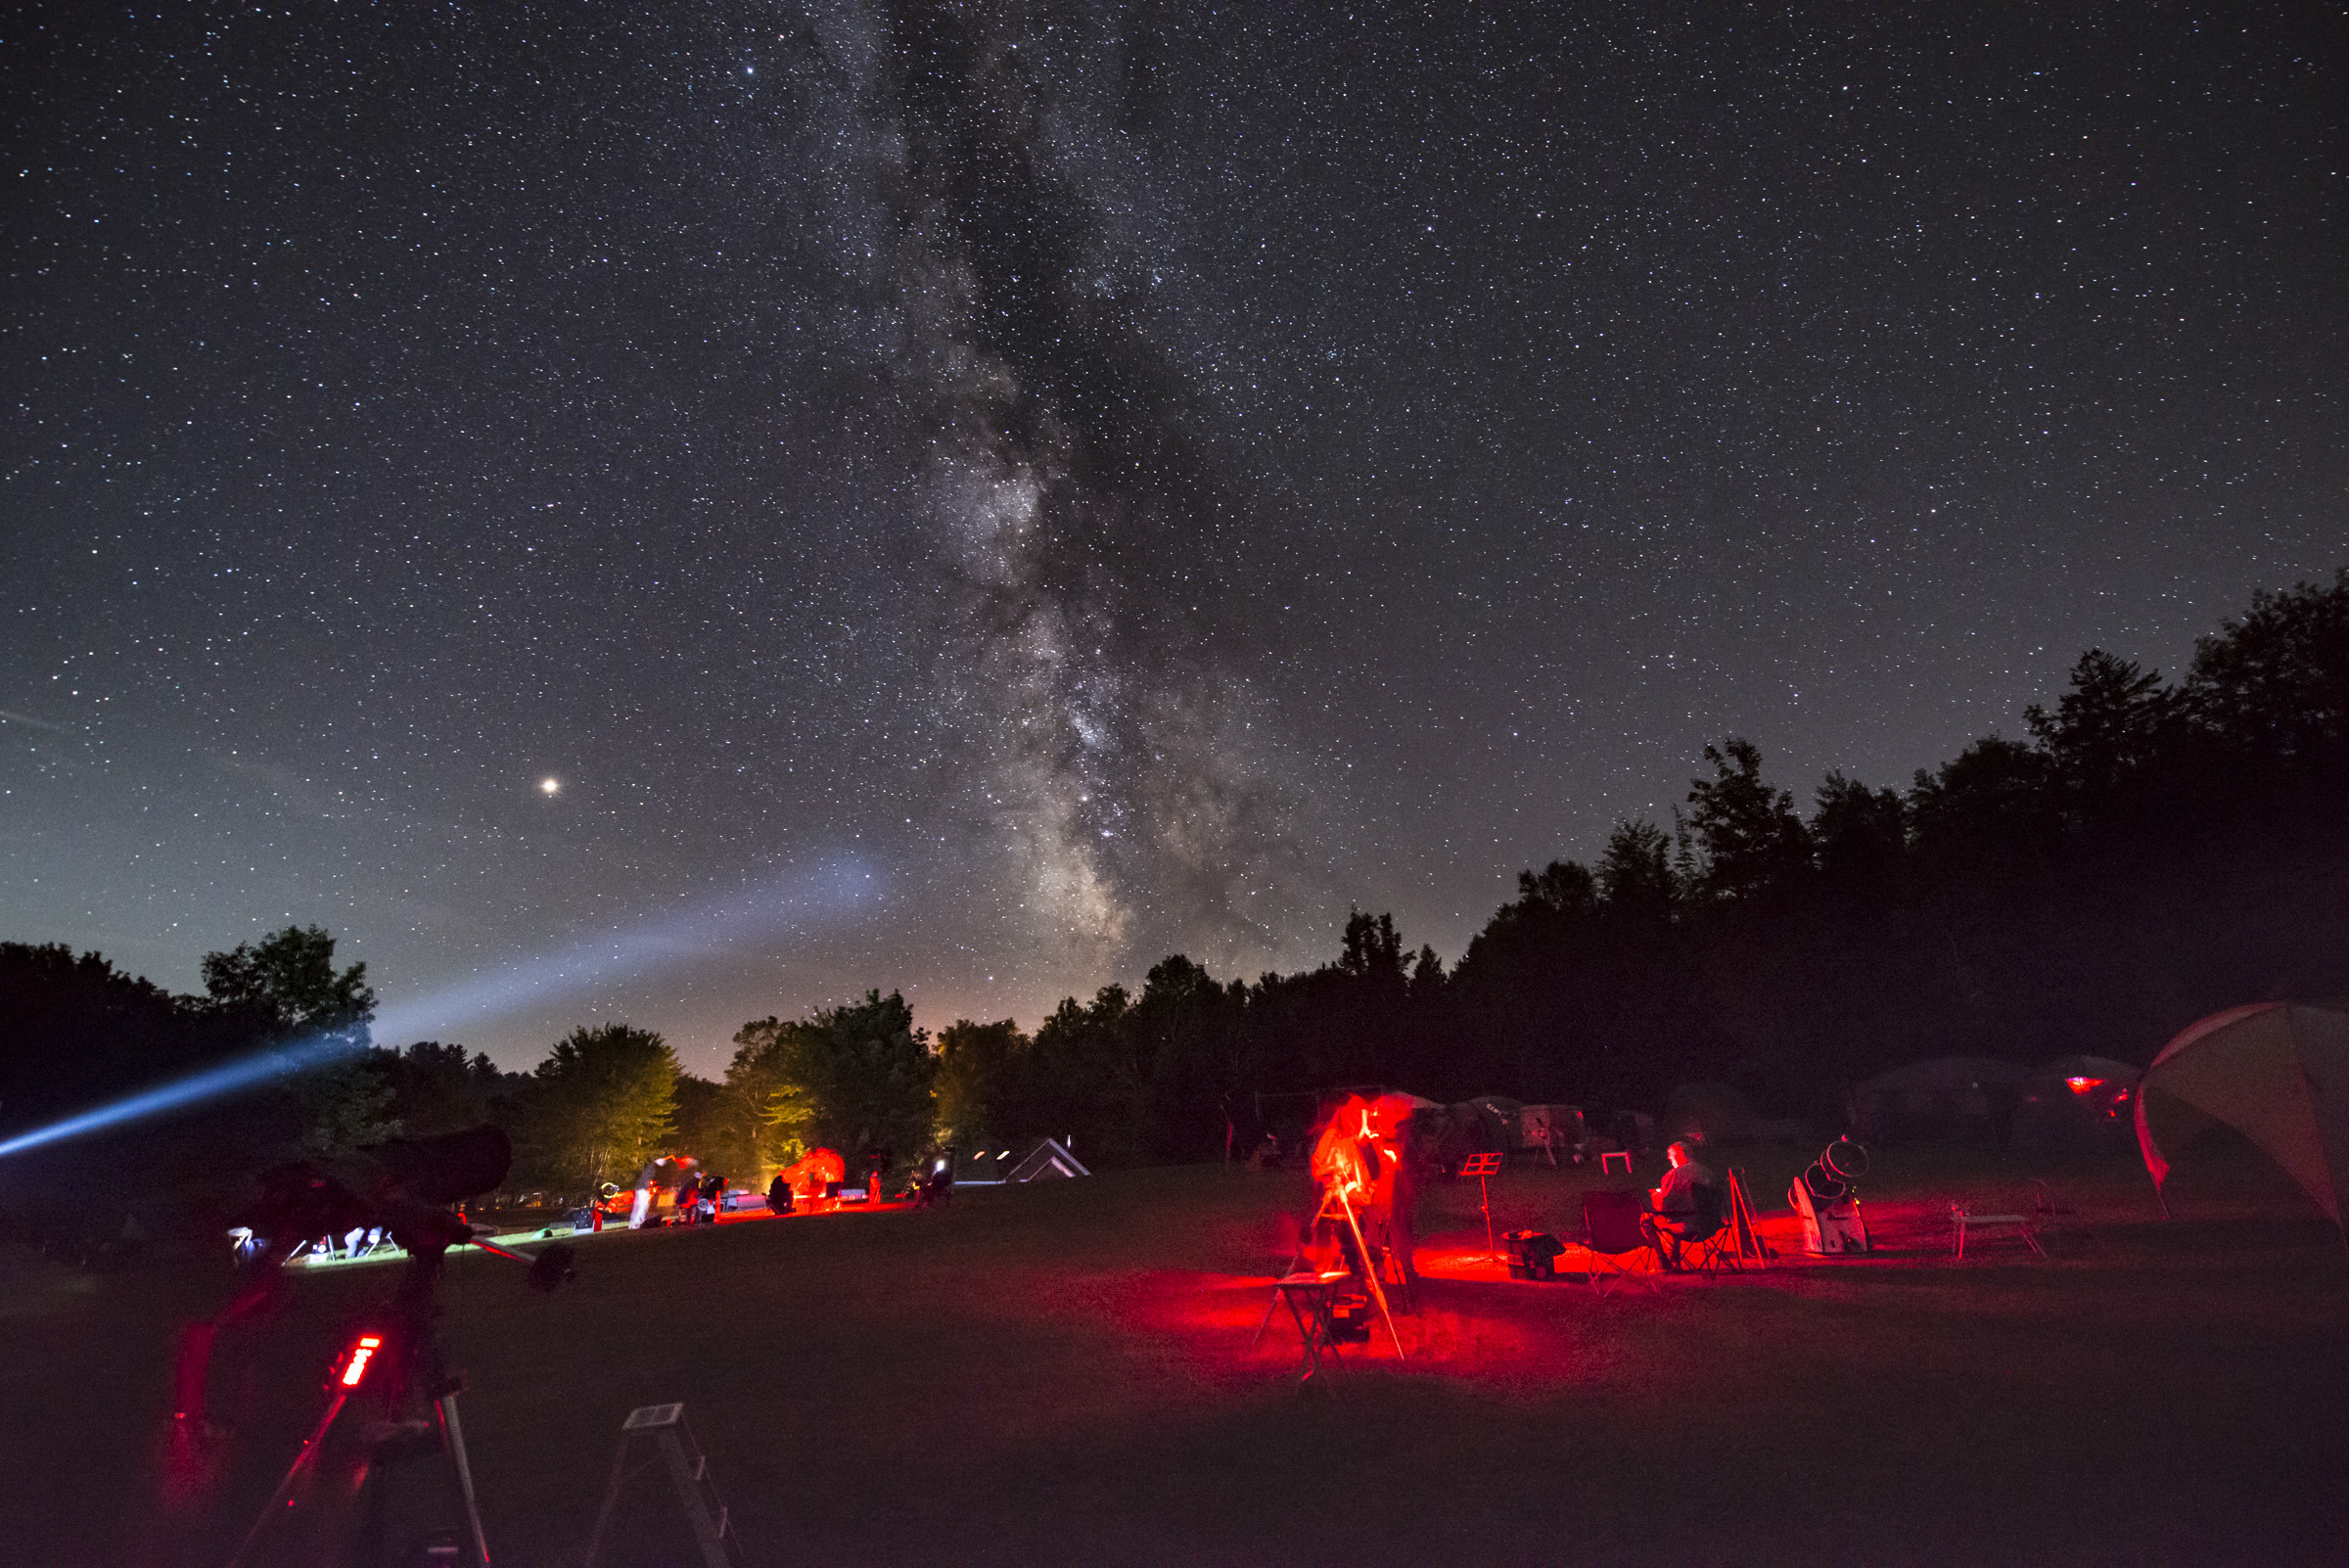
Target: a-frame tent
[1049, 1158]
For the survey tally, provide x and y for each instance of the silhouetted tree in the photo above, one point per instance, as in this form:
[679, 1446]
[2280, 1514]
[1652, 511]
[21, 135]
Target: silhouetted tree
[602, 1103]
[1749, 835]
[2275, 684]
[854, 1078]
[1861, 835]
[715, 1126]
[285, 990]
[1372, 949]
[975, 1064]
[441, 1088]
[1635, 873]
[1992, 808]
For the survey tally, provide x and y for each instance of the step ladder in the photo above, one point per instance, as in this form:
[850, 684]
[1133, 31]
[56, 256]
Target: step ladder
[657, 1435]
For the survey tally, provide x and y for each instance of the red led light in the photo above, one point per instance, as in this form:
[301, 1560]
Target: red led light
[2080, 1085]
[360, 1355]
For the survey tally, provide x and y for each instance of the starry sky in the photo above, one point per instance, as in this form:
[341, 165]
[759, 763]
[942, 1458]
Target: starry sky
[684, 513]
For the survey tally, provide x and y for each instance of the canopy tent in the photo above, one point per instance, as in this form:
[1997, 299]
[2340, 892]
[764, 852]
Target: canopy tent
[2276, 1071]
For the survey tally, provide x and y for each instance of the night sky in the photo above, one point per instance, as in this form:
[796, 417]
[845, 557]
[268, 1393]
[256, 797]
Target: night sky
[685, 513]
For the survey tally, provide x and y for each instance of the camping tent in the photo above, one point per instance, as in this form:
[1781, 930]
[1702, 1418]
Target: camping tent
[1048, 1159]
[2076, 1105]
[2276, 1071]
[1490, 1120]
[1949, 1097]
[1709, 1113]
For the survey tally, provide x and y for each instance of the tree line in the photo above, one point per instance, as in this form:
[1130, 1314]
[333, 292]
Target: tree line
[2147, 853]
[75, 1032]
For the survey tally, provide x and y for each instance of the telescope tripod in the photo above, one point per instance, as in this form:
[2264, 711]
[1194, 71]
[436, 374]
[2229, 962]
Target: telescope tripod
[1336, 1206]
[391, 1491]
[381, 1493]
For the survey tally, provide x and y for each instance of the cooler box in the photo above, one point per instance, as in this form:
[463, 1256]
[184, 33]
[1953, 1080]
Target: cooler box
[1533, 1254]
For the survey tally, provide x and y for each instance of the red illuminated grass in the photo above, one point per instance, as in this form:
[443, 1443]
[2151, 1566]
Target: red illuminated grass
[1061, 1374]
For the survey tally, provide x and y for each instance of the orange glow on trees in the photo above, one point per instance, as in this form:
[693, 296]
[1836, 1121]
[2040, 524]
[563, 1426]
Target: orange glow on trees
[814, 1180]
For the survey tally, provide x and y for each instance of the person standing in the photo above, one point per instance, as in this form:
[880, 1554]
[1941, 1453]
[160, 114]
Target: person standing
[689, 1195]
[1403, 1206]
[646, 1179]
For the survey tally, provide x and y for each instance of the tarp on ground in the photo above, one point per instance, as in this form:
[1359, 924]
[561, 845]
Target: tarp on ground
[2276, 1071]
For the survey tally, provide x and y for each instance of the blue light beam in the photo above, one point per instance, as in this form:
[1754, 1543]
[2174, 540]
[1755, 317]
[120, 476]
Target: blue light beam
[212, 1083]
[786, 903]
[779, 905]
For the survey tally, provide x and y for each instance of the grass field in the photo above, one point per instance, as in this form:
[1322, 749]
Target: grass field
[1061, 1374]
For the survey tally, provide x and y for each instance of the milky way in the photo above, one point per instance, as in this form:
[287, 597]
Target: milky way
[1075, 484]
[1092, 664]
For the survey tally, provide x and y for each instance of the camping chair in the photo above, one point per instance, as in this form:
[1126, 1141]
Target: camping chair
[1289, 1246]
[1611, 1234]
[1707, 1244]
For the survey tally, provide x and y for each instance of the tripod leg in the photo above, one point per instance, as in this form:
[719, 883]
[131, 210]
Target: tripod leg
[1378, 1292]
[452, 1438]
[1265, 1321]
[310, 1449]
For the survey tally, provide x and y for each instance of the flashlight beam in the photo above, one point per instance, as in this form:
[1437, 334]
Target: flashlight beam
[212, 1083]
[781, 905]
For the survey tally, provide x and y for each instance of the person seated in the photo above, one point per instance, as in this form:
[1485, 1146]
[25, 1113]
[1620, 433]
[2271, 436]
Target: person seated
[778, 1194]
[1674, 1216]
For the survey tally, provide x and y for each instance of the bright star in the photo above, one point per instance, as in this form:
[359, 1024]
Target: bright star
[550, 786]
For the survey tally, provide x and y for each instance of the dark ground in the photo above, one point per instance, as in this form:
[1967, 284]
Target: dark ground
[1061, 1374]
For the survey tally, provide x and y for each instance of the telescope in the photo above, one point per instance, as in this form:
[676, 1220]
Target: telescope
[404, 1482]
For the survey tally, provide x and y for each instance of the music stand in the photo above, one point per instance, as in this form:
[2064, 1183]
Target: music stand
[1484, 1167]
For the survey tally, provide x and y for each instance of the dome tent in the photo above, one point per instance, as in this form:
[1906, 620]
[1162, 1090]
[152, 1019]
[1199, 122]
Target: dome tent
[2276, 1071]
[2076, 1105]
[1709, 1113]
[1947, 1097]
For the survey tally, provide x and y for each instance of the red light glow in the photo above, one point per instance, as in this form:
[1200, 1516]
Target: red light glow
[360, 1355]
[2080, 1085]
